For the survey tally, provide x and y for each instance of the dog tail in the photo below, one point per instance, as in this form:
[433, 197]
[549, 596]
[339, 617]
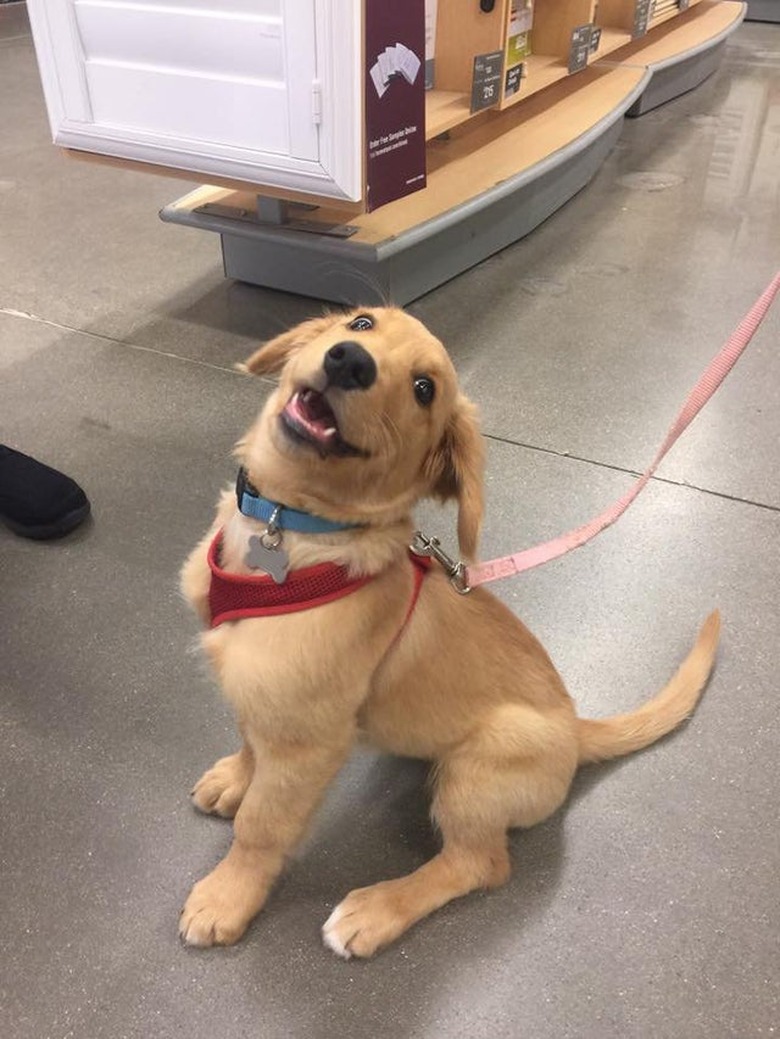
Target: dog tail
[624, 733]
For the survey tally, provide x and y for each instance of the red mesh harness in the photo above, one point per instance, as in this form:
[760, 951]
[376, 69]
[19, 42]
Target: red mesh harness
[234, 597]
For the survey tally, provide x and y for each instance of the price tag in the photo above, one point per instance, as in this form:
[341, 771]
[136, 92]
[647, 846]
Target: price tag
[486, 83]
[512, 80]
[641, 17]
[579, 48]
[595, 38]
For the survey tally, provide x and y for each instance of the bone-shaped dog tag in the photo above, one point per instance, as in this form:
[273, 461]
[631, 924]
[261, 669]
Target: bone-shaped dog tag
[273, 559]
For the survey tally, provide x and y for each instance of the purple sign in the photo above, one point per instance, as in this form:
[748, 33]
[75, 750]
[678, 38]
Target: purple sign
[395, 100]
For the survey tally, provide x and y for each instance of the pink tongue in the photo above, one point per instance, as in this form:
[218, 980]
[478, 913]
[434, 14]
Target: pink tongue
[318, 429]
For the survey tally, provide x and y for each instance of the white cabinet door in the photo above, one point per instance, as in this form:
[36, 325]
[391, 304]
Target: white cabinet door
[266, 91]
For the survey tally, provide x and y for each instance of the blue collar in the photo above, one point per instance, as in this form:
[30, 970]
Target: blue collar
[250, 503]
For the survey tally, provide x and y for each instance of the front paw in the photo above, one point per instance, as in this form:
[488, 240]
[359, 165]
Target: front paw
[221, 790]
[368, 919]
[214, 914]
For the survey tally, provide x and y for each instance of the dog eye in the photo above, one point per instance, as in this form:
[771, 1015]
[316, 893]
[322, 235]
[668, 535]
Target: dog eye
[361, 324]
[424, 390]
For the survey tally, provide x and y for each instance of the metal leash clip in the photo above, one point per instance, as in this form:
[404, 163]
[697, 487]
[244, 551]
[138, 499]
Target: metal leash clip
[422, 545]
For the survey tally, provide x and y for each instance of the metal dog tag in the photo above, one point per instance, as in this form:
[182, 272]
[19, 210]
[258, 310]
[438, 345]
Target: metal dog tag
[266, 553]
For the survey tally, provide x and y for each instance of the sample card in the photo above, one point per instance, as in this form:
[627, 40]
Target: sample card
[486, 83]
[394, 61]
[521, 14]
[512, 80]
[395, 100]
[380, 83]
[410, 65]
[386, 64]
[579, 48]
[518, 47]
[642, 12]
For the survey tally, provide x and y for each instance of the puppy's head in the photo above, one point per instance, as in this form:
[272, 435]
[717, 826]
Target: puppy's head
[367, 419]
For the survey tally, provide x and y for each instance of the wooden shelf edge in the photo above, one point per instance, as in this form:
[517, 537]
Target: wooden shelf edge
[700, 27]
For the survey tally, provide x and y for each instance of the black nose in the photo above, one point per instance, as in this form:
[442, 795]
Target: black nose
[349, 366]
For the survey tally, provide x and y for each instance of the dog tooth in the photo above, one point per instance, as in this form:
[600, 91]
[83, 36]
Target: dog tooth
[330, 431]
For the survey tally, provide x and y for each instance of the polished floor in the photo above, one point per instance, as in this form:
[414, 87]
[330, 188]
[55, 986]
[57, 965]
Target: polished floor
[650, 906]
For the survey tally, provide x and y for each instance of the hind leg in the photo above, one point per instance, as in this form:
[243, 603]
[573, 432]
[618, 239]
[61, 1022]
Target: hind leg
[221, 789]
[515, 770]
[371, 917]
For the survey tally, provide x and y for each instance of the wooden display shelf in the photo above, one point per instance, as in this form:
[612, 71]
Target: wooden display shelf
[445, 109]
[612, 39]
[682, 52]
[478, 157]
[664, 16]
[545, 69]
[705, 22]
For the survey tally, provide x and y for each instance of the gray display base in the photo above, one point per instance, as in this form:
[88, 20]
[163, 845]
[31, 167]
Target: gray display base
[763, 11]
[405, 267]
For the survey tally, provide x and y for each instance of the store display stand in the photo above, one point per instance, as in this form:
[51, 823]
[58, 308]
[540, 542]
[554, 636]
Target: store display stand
[406, 265]
[491, 180]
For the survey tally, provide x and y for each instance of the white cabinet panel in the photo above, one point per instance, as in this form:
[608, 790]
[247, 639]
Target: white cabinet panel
[210, 110]
[256, 7]
[203, 42]
[267, 91]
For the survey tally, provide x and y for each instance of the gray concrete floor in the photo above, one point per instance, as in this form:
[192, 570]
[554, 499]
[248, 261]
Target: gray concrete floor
[649, 906]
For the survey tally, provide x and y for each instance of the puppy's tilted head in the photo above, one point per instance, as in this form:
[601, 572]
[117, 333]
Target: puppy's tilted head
[366, 420]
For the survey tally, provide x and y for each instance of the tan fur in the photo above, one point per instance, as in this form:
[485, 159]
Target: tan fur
[465, 686]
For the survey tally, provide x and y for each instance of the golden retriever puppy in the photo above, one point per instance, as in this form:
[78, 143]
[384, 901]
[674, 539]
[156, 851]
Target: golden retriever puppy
[366, 420]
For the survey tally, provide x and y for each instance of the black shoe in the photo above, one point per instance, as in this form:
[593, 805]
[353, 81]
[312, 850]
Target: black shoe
[37, 501]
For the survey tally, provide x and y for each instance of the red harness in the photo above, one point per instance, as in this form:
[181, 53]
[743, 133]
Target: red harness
[234, 597]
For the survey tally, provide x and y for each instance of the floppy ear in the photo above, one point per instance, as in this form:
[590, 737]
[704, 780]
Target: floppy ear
[272, 356]
[456, 468]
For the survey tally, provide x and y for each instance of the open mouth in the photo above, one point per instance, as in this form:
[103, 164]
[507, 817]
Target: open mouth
[308, 417]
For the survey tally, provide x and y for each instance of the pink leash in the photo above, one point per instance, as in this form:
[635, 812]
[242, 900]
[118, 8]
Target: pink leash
[704, 389]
